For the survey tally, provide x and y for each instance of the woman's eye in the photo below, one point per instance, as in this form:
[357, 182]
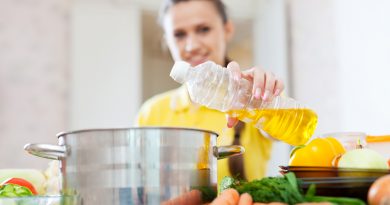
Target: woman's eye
[179, 35]
[204, 29]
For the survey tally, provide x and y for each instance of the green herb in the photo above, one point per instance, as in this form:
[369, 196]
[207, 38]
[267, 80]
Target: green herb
[283, 189]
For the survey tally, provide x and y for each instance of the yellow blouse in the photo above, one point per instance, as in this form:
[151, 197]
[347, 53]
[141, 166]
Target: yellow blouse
[174, 108]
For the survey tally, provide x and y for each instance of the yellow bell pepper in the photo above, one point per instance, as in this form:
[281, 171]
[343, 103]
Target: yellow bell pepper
[320, 152]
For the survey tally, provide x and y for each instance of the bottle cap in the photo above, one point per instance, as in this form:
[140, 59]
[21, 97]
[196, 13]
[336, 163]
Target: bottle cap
[179, 71]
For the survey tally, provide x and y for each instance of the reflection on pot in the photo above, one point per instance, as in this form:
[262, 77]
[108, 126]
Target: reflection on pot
[143, 165]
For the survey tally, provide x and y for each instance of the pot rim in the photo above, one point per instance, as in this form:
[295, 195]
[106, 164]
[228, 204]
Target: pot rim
[135, 128]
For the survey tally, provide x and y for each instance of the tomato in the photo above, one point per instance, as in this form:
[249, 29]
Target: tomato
[21, 182]
[379, 192]
[321, 152]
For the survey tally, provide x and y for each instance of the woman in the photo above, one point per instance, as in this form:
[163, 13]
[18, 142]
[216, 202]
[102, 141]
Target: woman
[197, 31]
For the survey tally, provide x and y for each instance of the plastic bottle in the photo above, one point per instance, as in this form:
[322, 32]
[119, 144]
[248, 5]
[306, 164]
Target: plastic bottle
[213, 86]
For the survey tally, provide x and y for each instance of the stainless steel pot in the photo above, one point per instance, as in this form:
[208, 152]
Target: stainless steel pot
[142, 165]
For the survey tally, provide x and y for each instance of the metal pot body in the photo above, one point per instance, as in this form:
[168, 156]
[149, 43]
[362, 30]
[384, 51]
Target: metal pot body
[148, 165]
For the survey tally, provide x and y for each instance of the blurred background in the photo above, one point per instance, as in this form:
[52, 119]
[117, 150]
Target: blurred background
[67, 65]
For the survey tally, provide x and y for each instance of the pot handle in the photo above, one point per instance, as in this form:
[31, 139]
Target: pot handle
[228, 151]
[47, 151]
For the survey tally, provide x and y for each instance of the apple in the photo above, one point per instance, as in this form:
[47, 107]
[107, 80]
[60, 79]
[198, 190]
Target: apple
[364, 159]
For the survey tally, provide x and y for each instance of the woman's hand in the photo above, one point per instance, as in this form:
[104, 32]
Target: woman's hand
[265, 84]
[193, 197]
[232, 197]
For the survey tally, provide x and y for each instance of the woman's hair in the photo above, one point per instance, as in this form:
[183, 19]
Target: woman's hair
[167, 4]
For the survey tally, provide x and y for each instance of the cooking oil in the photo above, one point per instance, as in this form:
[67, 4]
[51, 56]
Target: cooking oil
[214, 86]
[293, 126]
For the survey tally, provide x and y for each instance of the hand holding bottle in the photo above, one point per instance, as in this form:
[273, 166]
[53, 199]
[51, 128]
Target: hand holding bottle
[250, 97]
[265, 84]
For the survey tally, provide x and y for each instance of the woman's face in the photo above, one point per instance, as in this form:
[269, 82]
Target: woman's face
[195, 32]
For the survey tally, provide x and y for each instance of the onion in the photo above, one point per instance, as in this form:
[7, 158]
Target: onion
[379, 192]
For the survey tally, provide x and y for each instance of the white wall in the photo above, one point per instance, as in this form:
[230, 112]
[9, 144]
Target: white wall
[33, 77]
[271, 49]
[105, 65]
[364, 57]
[315, 61]
[341, 62]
